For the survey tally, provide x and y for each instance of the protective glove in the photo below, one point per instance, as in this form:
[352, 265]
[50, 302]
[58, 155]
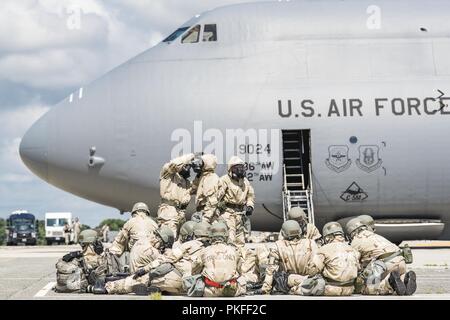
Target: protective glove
[139, 273]
[72, 255]
[248, 211]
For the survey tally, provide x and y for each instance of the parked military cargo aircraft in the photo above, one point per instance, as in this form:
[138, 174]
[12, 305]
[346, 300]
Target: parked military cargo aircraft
[337, 106]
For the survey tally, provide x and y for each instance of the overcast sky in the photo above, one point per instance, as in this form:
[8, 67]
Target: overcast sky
[48, 49]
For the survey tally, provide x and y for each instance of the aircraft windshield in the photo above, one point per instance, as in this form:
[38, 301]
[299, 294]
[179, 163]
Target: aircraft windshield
[192, 36]
[176, 34]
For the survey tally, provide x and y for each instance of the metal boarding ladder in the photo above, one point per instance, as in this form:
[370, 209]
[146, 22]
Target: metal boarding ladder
[298, 198]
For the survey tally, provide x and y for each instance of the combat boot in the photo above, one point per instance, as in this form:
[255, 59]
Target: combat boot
[99, 287]
[144, 290]
[410, 283]
[396, 283]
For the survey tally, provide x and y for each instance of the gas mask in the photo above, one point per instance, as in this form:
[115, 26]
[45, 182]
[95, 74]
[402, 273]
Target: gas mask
[238, 172]
[197, 165]
[185, 172]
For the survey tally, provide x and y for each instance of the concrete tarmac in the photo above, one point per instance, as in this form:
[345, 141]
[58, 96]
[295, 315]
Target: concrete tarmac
[29, 273]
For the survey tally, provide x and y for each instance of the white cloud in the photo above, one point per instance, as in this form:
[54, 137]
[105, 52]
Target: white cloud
[38, 50]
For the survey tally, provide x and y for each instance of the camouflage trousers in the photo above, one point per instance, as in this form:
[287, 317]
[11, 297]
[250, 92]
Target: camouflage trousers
[140, 254]
[384, 288]
[338, 291]
[236, 230]
[125, 286]
[209, 214]
[172, 218]
[171, 283]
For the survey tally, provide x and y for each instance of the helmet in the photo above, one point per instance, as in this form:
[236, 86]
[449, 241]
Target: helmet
[166, 235]
[88, 236]
[187, 229]
[353, 225]
[367, 221]
[234, 161]
[291, 229]
[219, 230]
[202, 229]
[297, 213]
[332, 228]
[140, 206]
[314, 286]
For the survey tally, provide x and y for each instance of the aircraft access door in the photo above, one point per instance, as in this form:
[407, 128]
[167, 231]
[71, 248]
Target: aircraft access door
[297, 173]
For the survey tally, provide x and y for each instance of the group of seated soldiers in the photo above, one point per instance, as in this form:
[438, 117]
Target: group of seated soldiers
[202, 262]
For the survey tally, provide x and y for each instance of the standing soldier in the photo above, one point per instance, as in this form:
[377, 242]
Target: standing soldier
[136, 235]
[337, 262]
[208, 188]
[291, 255]
[67, 232]
[176, 191]
[380, 259]
[105, 232]
[309, 230]
[237, 199]
[76, 230]
[221, 265]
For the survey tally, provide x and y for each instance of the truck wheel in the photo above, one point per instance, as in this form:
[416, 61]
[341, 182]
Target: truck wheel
[49, 242]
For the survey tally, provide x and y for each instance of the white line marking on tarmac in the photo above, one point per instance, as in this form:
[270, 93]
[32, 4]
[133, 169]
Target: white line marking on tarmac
[45, 290]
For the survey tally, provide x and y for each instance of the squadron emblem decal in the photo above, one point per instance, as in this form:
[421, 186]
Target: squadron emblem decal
[338, 159]
[369, 158]
[354, 193]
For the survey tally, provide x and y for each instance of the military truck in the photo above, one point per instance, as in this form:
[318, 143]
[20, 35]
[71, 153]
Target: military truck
[21, 228]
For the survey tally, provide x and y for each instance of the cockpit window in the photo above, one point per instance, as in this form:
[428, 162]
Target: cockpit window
[175, 35]
[192, 36]
[210, 32]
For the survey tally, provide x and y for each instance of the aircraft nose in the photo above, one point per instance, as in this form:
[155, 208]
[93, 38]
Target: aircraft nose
[33, 149]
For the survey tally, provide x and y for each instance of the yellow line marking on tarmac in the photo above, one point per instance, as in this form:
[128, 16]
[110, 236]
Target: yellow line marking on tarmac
[42, 293]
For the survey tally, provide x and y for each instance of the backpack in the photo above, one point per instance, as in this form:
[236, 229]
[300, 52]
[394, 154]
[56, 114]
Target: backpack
[70, 277]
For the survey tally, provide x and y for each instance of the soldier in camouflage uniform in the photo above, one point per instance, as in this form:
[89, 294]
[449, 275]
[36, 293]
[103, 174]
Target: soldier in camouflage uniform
[186, 234]
[178, 263]
[368, 222]
[309, 230]
[373, 247]
[136, 236]
[138, 282]
[237, 200]
[336, 261]
[91, 260]
[291, 255]
[208, 189]
[176, 190]
[220, 265]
